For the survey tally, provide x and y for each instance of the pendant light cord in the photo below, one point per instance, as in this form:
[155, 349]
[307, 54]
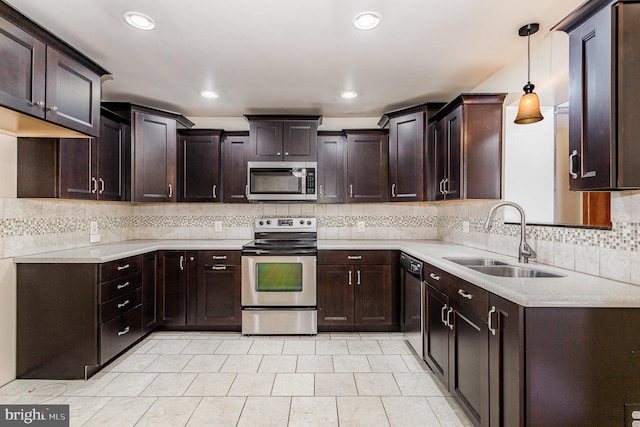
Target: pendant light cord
[528, 56]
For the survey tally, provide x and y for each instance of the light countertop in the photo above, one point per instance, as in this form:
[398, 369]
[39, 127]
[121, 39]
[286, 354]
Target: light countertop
[572, 290]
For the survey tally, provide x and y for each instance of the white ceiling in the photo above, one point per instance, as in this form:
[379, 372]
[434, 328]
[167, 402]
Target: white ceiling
[295, 56]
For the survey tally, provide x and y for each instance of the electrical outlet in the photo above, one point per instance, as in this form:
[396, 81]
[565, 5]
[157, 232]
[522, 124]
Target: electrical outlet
[94, 238]
[217, 226]
[360, 226]
[93, 227]
[465, 226]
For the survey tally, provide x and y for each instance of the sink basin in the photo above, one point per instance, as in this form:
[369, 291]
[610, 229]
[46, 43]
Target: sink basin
[512, 271]
[476, 261]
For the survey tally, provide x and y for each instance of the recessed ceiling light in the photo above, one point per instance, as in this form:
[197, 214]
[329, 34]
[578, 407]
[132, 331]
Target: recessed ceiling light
[349, 94]
[139, 20]
[209, 94]
[367, 20]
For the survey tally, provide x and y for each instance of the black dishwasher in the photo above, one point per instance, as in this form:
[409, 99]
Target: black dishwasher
[412, 288]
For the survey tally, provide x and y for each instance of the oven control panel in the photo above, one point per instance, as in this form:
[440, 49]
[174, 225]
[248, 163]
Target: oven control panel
[285, 224]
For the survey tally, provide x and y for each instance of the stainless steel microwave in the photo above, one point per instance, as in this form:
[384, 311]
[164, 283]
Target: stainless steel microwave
[281, 181]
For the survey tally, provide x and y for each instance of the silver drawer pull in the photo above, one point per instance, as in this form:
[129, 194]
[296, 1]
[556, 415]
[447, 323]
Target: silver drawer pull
[449, 324]
[219, 257]
[354, 257]
[219, 267]
[350, 277]
[464, 294]
[124, 304]
[358, 281]
[489, 320]
[444, 308]
[124, 285]
[123, 267]
[434, 276]
[125, 331]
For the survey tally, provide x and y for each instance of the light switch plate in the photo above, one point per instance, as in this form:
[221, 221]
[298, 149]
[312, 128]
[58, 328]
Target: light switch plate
[94, 238]
[93, 227]
[217, 226]
[360, 226]
[465, 226]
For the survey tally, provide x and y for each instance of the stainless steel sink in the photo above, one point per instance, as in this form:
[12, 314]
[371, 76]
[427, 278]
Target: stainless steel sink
[467, 262]
[512, 271]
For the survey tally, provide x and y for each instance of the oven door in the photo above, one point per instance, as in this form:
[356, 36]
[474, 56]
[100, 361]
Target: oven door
[278, 281]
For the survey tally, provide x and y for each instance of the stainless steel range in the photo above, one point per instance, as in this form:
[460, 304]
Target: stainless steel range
[279, 278]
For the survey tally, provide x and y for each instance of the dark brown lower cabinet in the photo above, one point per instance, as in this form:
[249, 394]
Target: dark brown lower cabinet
[149, 291]
[508, 365]
[357, 290]
[218, 290]
[176, 271]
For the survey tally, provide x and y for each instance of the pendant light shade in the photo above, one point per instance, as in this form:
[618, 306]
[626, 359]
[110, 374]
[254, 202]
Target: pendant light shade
[529, 108]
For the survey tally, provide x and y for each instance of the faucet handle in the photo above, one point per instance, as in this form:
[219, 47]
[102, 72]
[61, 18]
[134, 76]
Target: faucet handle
[526, 252]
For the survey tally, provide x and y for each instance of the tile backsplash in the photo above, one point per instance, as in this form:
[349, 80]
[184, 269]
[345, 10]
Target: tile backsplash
[31, 226]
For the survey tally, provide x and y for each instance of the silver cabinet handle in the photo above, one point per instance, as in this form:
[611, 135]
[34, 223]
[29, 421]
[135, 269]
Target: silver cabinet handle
[126, 330]
[444, 308]
[53, 109]
[358, 277]
[40, 104]
[445, 185]
[393, 190]
[464, 294]
[449, 324]
[441, 186]
[94, 185]
[350, 277]
[489, 320]
[246, 191]
[170, 191]
[181, 262]
[123, 304]
[101, 185]
[213, 191]
[574, 175]
[123, 267]
[350, 190]
[219, 267]
[286, 153]
[434, 276]
[219, 257]
[354, 256]
[278, 154]
[321, 190]
[124, 285]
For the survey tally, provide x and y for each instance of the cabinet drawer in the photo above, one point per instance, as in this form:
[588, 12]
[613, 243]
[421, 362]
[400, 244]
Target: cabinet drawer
[441, 280]
[119, 287]
[119, 333]
[219, 257]
[469, 298]
[118, 306]
[120, 268]
[354, 257]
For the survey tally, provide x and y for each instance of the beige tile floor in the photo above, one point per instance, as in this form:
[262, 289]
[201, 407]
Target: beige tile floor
[226, 379]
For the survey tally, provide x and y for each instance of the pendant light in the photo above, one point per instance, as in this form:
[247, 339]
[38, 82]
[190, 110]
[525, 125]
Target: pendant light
[529, 108]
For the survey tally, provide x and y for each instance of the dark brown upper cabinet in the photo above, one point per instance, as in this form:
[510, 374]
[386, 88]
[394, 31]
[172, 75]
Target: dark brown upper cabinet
[77, 168]
[44, 78]
[464, 149]
[332, 167]
[603, 84]
[367, 165]
[199, 165]
[407, 135]
[235, 146]
[153, 150]
[283, 138]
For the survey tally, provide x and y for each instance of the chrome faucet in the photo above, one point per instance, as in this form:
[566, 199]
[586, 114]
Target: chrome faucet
[525, 252]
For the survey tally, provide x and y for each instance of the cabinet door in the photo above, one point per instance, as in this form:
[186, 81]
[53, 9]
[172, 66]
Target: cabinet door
[199, 162]
[234, 168]
[332, 164]
[453, 147]
[300, 141]
[73, 94]
[172, 294]
[436, 333]
[373, 295]
[265, 140]
[22, 75]
[149, 291]
[219, 296]
[111, 159]
[506, 363]
[590, 95]
[154, 150]
[335, 295]
[437, 158]
[77, 174]
[367, 168]
[469, 364]
[406, 157]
